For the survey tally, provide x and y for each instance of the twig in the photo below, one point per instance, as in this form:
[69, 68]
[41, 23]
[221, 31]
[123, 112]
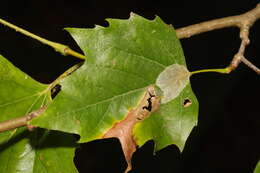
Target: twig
[20, 121]
[243, 22]
[63, 49]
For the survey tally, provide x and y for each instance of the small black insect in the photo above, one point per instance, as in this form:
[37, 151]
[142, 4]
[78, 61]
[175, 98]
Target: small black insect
[149, 100]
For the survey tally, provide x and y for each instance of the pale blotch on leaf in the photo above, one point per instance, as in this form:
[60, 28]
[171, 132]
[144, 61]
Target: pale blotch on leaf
[172, 81]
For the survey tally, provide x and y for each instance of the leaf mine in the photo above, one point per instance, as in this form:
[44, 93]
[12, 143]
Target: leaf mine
[172, 81]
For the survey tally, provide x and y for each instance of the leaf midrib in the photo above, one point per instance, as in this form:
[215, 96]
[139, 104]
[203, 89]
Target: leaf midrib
[100, 102]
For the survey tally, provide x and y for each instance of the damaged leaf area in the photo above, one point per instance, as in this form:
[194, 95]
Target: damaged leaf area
[172, 81]
[123, 130]
[113, 94]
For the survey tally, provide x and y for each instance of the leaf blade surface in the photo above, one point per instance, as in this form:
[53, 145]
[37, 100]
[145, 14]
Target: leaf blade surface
[124, 60]
[21, 150]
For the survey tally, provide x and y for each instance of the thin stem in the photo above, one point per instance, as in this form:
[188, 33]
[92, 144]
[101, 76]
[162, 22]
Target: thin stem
[202, 27]
[191, 30]
[63, 49]
[63, 75]
[71, 52]
[20, 121]
[243, 22]
[226, 70]
[251, 65]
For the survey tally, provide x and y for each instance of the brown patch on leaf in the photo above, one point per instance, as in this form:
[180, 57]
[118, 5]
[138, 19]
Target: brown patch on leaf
[123, 130]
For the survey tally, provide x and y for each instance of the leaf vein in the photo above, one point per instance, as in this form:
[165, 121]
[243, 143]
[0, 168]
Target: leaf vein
[141, 56]
[100, 102]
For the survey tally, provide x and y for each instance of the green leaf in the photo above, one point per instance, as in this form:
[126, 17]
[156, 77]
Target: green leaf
[257, 168]
[40, 151]
[171, 124]
[111, 87]
[19, 95]
[23, 151]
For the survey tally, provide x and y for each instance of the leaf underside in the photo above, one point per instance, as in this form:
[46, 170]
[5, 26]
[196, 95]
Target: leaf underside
[40, 151]
[124, 59]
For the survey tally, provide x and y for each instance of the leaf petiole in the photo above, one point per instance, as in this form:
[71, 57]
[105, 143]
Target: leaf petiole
[63, 49]
[226, 70]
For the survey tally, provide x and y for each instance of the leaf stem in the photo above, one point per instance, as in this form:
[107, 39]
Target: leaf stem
[63, 75]
[20, 121]
[226, 70]
[63, 49]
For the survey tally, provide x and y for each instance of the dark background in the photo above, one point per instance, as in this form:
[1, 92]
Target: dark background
[227, 136]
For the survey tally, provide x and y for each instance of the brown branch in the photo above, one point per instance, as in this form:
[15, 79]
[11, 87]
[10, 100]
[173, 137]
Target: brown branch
[20, 121]
[243, 22]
